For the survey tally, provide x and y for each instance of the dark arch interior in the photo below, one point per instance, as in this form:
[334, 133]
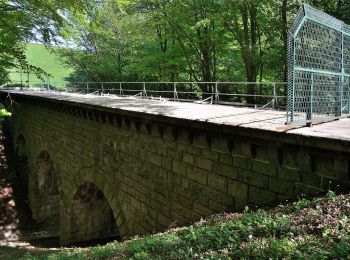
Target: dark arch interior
[44, 195]
[47, 179]
[22, 163]
[92, 219]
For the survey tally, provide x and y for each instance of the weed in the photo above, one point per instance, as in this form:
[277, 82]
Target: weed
[331, 195]
[300, 204]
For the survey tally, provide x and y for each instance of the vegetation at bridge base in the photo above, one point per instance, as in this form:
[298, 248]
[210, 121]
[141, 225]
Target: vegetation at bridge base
[311, 229]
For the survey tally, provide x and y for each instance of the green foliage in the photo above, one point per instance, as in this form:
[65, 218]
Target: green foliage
[300, 204]
[22, 21]
[331, 195]
[281, 233]
[3, 112]
[161, 40]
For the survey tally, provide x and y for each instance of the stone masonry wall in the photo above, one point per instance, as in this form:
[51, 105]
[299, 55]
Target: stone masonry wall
[156, 174]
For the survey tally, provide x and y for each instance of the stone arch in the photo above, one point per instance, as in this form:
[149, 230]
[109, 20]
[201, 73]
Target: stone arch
[21, 147]
[46, 175]
[91, 218]
[44, 198]
[21, 153]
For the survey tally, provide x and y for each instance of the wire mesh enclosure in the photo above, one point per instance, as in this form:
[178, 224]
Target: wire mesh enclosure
[318, 68]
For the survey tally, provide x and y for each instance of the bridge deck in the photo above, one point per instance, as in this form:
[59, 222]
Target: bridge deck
[269, 120]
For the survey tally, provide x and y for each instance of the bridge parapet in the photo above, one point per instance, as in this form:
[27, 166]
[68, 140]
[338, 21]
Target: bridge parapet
[160, 164]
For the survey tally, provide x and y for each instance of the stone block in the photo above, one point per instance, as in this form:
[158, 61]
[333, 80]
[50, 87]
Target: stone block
[220, 144]
[240, 161]
[217, 182]
[198, 175]
[199, 140]
[202, 211]
[163, 220]
[229, 201]
[253, 178]
[305, 161]
[204, 164]
[281, 186]
[175, 206]
[168, 133]
[342, 169]
[226, 158]
[216, 206]
[167, 163]
[196, 190]
[175, 155]
[289, 174]
[180, 167]
[183, 198]
[178, 219]
[261, 197]
[185, 183]
[311, 179]
[174, 179]
[289, 158]
[324, 165]
[264, 167]
[188, 158]
[303, 189]
[210, 155]
[225, 170]
[212, 194]
[238, 189]
[155, 159]
[183, 138]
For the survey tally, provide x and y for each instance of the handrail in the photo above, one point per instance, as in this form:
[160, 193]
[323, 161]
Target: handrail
[266, 94]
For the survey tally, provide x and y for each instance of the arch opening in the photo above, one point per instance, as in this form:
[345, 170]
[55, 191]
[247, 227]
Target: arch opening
[47, 181]
[92, 220]
[22, 163]
[44, 195]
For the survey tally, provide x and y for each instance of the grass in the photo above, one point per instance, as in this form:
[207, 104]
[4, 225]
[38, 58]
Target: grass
[39, 56]
[311, 229]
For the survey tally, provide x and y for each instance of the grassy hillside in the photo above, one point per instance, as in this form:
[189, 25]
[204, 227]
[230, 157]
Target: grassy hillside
[39, 56]
[306, 229]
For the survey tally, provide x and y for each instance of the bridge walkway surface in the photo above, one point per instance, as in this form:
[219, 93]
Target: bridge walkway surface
[246, 118]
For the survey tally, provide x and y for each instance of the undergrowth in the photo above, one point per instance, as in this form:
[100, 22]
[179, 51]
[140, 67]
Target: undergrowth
[312, 229]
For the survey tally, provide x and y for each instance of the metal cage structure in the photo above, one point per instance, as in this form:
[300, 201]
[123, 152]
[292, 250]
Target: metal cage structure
[318, 68]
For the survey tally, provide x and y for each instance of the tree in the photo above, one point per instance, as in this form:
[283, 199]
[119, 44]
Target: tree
[22, 21]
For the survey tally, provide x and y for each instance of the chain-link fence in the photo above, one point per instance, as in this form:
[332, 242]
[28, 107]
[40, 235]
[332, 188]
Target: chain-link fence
[318, 68]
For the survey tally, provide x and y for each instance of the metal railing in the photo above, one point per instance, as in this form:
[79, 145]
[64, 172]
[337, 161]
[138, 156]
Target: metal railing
[257, 94]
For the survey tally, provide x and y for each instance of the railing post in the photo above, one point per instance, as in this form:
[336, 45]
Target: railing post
[216, 93]
[120, 89]
[274, 102]
[349, 98]
[144, 93]
[343, 77]
[310, 106]
[87, 87]
[175, 92]
[102, 89]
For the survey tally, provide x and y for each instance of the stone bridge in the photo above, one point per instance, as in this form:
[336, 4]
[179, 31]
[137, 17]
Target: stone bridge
[99, 167]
